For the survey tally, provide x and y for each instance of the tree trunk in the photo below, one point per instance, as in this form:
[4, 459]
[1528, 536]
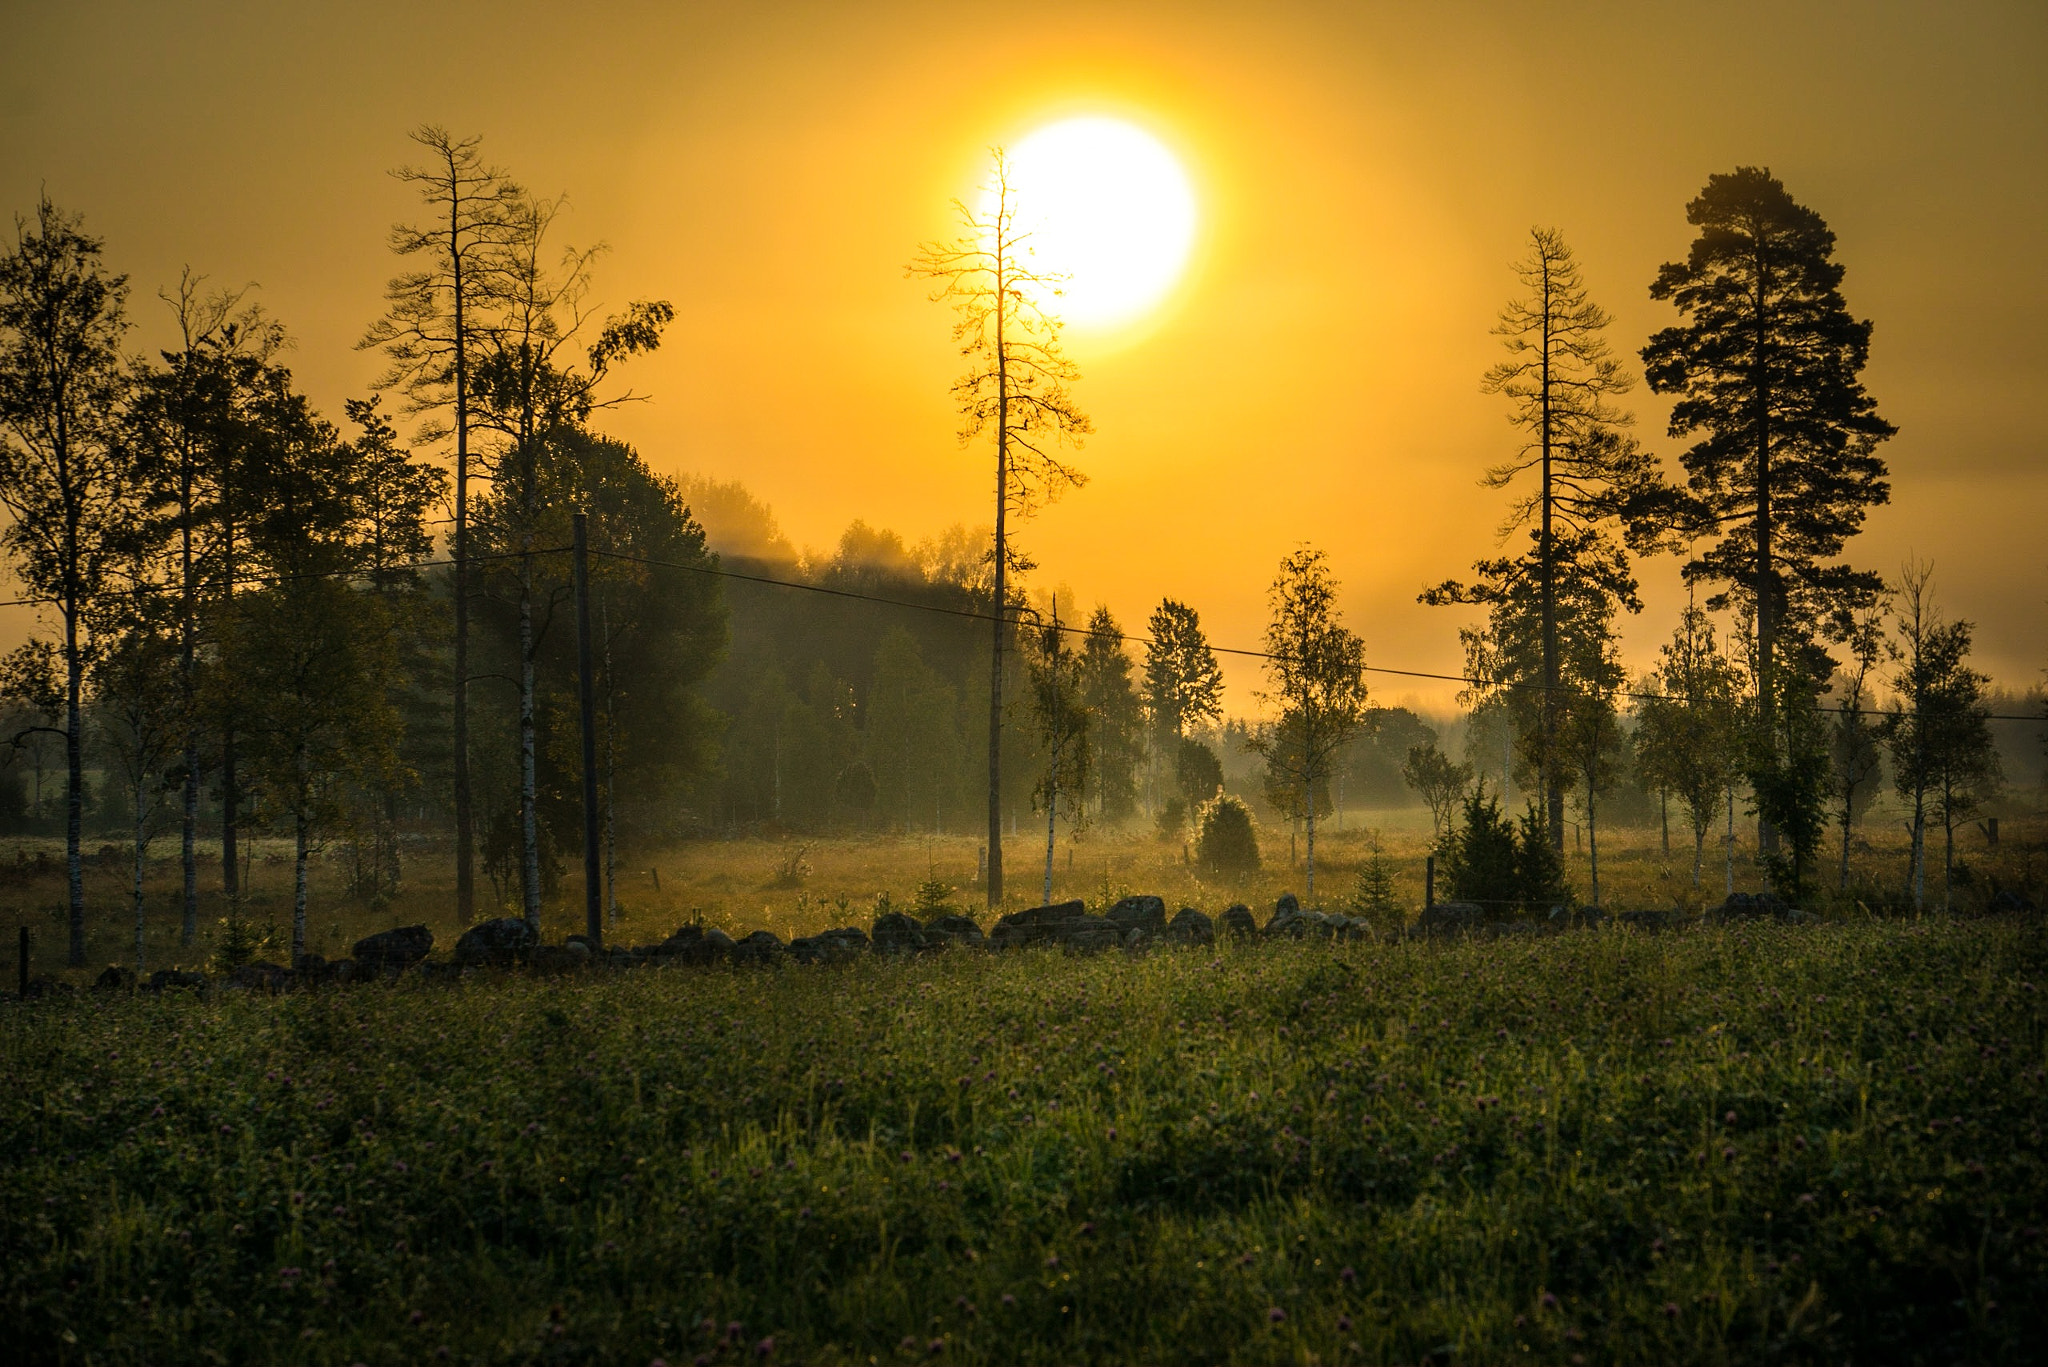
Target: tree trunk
[1731, 842]
[141, 865]
[1309, 824]
[1664, 819]
[1919, 849]
[74, 778]
[1552, 788]
[1699, 850]
[1593, 842]
[995, 668]
[188, 824]
[529, 804]
[299, 846]
[465, 813]
[1052, 807]
[1847, 808]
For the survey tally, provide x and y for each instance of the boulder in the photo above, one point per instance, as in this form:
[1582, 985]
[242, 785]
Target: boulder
[1036, 926]
[498, 943]
[955, 931]
[165, 978]
[830, 946]
[898, 933]
[761, 948]
[261, 976]
[557, 958]
[1741, 906]
[114, 978]
[1139, 913]
[1190, 927]
[391, 951]
[1237, 922]
[313, 971]
[1449, 919]
[694, 945]
[1087, 934]
[2006, 902]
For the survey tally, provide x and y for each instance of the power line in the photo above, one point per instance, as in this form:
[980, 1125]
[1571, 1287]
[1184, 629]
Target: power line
[1129, 639]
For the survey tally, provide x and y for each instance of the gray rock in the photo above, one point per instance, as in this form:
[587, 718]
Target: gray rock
[114, 978]
[1039, 925]
[1190, 927]
[1237, 923]
[178, 978]
[955, 931]
[392, 951]
[267, 978]
[1447, 919]
[695, 945]
[830, 946]
[2006, 902]
[1741, 906]
[498, 943]
[314, 971]
[761, 948]
[899, 933]
[557, 958]
[1139, 913]
[1088, 934]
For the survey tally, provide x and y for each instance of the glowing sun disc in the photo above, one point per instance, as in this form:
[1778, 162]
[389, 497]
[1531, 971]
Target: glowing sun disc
[1108, 206]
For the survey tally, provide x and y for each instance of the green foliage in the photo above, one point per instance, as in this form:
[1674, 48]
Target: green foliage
[1790, 781]
[1765, 374]
[1437, 779]
[1372, 894]
[934, 897]
[1539, 868]
[1183, 682]
[1478, 859]
[1566, 1143]
[1227, 842]
[1173, 818]
[1196, 772]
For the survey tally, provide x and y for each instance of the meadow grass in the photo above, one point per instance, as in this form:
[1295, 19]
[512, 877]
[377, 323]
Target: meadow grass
[1730, 1144]
[739, 885]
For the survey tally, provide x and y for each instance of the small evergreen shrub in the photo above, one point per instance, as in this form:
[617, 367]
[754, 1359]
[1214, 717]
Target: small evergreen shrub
[1228, 842]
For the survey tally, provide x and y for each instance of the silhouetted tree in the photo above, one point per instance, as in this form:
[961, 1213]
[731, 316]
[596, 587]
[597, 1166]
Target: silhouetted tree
[438, 311]
[1855, 729]
[181, 427]
[1115, 717]
[1183, 683]
[1589, 480]
[1438, 780]
[1784, 466]
[64, 479]
[1317, 668]
[538, 375]
[1016, 384]
[139, 706]
[1940, 744]
[1688, 738]
[1062, 722]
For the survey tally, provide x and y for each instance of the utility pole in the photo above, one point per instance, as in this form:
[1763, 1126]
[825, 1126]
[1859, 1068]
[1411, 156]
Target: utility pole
[586, 704]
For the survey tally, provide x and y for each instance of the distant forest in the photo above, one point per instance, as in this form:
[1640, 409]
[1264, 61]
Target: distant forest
[350, 629]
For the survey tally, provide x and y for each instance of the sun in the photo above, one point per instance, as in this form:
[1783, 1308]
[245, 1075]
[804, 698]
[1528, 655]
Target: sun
[1109, 207]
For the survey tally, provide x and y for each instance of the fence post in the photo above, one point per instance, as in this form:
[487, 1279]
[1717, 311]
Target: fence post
[24, 961]
[1429, 882]
[586, 701]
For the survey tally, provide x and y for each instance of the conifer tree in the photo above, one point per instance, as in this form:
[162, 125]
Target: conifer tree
[1784, 466]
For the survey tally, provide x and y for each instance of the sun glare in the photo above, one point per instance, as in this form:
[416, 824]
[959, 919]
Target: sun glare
[1108, 206]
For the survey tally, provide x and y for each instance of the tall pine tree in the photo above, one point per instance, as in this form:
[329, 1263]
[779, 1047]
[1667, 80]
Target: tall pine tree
[1783, 466]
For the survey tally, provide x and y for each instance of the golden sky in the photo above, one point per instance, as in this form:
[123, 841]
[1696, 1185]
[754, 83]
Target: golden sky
[1365, 175]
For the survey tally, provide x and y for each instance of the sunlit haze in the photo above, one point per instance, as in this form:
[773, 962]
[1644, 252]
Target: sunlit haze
[1108, 210]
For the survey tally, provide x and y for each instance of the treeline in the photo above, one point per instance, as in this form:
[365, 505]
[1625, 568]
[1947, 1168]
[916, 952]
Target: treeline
[259, 616]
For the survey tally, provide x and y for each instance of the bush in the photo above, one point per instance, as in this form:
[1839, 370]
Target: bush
[1228, 843]
[1173, 819]
[1372, 896]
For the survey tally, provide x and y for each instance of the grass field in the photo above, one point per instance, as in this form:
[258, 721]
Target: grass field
[1747, 1143]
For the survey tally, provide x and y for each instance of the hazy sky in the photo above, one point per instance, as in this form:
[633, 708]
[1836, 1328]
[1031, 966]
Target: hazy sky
[1365, 175]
